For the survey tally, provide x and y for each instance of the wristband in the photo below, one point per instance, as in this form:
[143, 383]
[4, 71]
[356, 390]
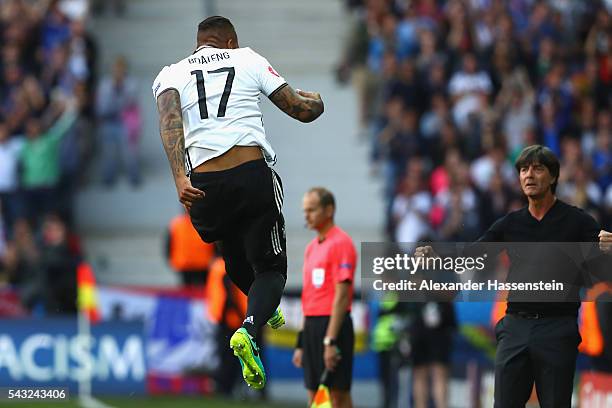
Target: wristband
[300, 339]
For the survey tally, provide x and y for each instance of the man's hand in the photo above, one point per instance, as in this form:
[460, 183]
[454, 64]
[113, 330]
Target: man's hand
[425, 252]
[331, 357]
[310, 95]
[298, 353]
[605, 241]
[187, 194]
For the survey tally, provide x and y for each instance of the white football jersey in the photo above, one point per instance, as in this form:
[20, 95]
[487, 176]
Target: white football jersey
[219, 90]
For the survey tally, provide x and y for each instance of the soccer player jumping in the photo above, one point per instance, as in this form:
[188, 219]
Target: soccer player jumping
[212, 131]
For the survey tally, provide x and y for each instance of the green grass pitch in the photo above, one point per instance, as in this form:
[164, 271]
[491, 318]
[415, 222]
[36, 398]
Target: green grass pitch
[154, 402]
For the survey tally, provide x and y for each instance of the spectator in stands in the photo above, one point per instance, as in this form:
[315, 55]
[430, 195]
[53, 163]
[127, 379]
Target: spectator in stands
[355, 46]
[579, 190]
[40, 161]
[186, 253]
[13, 108]
[492, 162]
[469, 90]
[439, 179]
[406, 86]
[433, 119]
[428, 53]
[572, 159]
[82, 53]
[390, 125]
[59, 262]
[10, 150]
[55, 28]
[459, 38]
[435, 81]
[76, 152]
[495, 200]
[23, 265]
[460, 207]
[515, 105]
[400, 141]
[119, 123]
[57, 74]
[410, 210]
[596, 42]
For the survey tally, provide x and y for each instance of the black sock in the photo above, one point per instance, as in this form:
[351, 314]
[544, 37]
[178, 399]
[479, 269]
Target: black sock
[250, 328]
[264, 297]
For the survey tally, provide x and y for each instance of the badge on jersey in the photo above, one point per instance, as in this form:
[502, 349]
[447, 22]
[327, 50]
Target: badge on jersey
[318, 277]
[272, 71]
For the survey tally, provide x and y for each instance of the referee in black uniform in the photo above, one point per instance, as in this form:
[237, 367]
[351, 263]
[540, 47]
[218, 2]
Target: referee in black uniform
[537, 342]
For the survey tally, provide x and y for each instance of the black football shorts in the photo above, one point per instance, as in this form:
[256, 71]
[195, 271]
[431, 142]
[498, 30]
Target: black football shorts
[241, 209]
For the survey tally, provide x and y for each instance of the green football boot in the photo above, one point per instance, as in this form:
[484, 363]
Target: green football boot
[247, 352]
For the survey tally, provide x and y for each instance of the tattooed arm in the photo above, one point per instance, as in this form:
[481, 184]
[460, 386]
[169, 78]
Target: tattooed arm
[171, 131]
[300, 105]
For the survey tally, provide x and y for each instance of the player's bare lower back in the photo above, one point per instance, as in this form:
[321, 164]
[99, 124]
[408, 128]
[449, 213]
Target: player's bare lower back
[234, 157]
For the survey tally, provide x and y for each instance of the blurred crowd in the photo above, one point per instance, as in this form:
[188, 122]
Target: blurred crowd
[56, 119]
[451, 91]
[47, 79]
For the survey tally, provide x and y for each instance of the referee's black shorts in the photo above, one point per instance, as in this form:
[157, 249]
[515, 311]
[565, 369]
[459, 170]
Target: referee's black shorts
[312, 360]
[242, 209]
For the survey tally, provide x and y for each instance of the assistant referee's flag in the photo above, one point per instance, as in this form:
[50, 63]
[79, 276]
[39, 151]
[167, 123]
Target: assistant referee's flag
[321, 398]
[86, 292]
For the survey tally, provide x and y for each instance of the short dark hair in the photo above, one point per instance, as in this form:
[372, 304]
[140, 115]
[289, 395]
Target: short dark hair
[541, 155]
[326, 198]
[217, 23]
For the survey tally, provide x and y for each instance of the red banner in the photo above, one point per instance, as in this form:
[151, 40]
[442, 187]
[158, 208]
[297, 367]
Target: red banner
[595, 390]
[10, 304]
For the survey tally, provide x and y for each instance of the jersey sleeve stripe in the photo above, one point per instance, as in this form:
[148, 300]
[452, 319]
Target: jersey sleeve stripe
[166, 90]
[277, 90]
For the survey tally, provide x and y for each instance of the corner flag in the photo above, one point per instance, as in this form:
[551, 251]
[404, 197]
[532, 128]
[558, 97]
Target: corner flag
[86, 292]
